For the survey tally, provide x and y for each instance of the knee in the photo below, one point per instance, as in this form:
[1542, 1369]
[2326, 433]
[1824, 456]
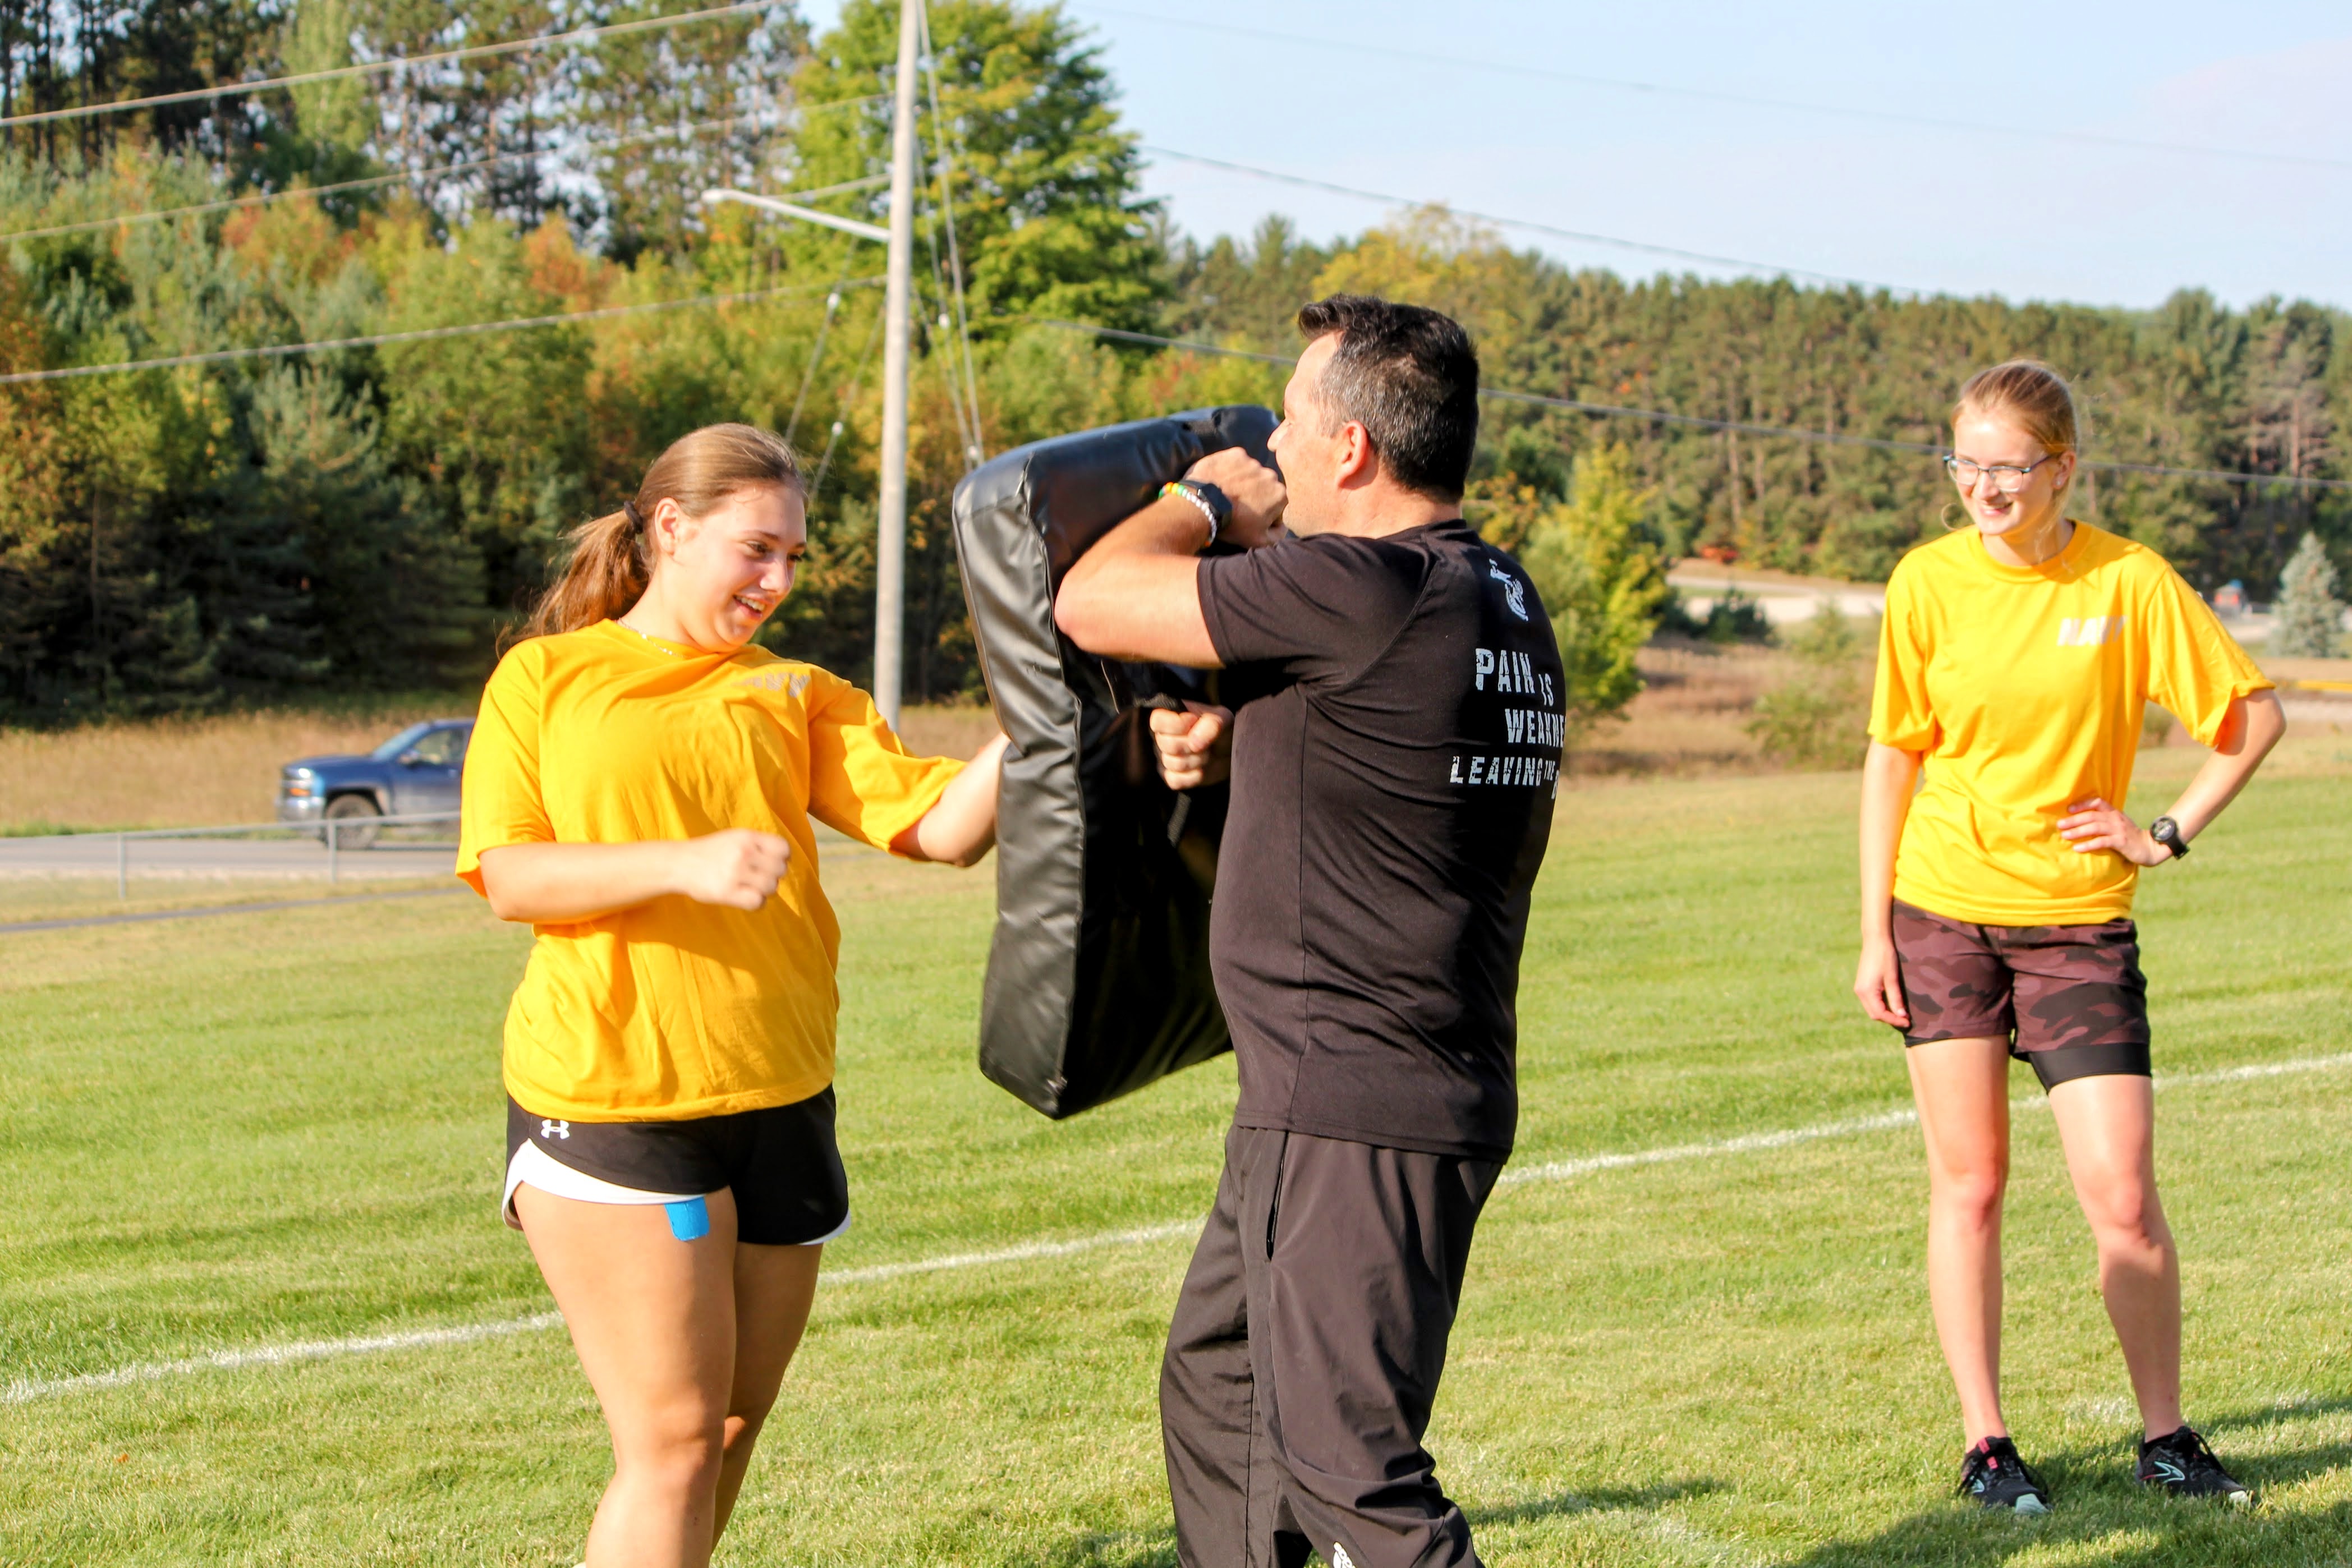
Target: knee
[743, 1423]
[1972, 1197]
[677, 1451]
[2125, 1218]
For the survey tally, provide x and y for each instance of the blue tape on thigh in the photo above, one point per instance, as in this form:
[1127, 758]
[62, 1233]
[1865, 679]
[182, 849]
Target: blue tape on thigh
[689, 1219]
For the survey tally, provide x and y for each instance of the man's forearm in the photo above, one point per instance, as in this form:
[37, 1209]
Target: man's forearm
[1135, 594]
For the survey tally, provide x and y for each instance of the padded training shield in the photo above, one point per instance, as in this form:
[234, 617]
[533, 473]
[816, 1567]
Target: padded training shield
[1098, 969]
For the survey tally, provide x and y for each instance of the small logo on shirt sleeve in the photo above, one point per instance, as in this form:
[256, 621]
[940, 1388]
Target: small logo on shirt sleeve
[1515, 593]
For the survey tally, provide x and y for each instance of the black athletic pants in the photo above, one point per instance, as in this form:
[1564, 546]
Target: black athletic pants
[1306, 1352]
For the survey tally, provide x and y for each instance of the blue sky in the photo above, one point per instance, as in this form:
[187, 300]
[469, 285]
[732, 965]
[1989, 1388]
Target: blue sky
[2015, 210]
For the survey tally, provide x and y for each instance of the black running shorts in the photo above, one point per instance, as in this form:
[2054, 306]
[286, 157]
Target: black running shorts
[2070, 999]
[782, 1163]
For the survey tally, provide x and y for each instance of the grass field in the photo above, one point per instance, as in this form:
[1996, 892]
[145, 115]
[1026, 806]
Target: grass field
[268, 1129]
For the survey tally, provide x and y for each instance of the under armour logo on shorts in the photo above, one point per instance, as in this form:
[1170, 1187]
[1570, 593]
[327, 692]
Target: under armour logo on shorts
[1339, 1558]
[554, 1129]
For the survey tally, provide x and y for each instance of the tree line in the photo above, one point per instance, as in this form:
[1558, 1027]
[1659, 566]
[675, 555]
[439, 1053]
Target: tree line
[184, 537]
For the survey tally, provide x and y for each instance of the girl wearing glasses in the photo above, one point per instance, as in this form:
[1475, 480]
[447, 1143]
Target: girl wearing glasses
[2015, 661]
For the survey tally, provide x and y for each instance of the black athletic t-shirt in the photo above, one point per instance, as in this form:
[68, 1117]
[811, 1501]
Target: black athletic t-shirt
[1396, 754]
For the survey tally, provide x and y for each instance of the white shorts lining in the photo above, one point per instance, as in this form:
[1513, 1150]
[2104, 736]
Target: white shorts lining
[542, 1170]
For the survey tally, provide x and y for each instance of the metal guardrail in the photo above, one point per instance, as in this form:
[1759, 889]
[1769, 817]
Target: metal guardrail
[329, 828]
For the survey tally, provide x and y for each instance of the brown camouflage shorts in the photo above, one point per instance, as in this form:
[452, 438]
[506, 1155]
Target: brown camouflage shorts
[2070, 999]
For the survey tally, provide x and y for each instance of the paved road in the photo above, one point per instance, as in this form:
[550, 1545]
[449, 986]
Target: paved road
[1781, 598]
[93, 855]
[77, 855]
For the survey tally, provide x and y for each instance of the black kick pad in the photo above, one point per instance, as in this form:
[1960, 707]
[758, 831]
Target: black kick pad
[1098, 970]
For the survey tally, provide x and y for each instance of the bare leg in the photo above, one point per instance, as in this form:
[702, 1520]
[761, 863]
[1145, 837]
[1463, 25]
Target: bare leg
[1961, 1087]
[773, 1288]
[653, 1319]
[2108, 1128]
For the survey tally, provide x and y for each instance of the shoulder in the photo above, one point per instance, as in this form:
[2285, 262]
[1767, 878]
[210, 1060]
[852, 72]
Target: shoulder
[1936, 568]
[526, 665]
[1338, 560]
[1935, 558]
[559, 650]
[2128, 558]
[817, 687]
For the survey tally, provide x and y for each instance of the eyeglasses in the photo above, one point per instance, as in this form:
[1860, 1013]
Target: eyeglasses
[2007, 477]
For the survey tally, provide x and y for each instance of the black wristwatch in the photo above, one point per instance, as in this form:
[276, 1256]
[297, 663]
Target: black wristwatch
[2167, 831]
[1213, 503]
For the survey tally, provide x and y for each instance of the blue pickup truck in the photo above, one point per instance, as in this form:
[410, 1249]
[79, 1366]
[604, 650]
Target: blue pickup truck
[416, 770]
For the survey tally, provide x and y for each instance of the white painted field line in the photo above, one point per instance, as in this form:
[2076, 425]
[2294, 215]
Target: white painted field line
[274, 1356]
[1021, 1254]
[1713, 1148]
[20, 1392]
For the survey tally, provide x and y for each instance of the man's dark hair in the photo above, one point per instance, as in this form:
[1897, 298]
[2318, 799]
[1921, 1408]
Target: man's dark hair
[1409, 377]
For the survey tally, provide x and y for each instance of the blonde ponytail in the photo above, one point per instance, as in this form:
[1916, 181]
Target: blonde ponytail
[611, 563]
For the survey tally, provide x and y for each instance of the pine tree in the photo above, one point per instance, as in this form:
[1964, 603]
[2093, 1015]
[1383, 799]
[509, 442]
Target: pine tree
[2310, 616]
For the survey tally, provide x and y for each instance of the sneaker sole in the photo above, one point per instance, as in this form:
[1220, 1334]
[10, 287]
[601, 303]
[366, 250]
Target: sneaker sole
[2032, 1506]
[2240, 1498]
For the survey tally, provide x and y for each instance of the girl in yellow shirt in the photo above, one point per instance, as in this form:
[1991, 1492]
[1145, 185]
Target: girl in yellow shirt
[2015, 662]
[640, 788]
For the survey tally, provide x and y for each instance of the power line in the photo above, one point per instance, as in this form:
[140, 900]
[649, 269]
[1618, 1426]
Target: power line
[977, 452]
[856, 385]
[420, 335]
[1326, 43]
[1632, 245]
[398, 62]
[263, 198]
[1744, 427]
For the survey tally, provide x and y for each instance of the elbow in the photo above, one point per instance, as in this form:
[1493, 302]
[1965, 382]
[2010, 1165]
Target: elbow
[504, 898]
[2268, 725]
[1075, 614]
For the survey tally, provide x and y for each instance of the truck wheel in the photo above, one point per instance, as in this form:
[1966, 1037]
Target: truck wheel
[346, 809]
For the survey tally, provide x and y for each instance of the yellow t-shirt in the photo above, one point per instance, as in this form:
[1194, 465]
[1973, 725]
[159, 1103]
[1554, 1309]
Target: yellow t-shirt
[678, 1009]
[2024, 687]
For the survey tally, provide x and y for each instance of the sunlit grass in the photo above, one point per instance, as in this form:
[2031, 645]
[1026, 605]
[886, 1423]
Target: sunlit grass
[269, 1128]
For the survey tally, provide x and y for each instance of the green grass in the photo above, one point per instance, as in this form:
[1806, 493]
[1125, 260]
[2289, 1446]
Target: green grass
[278, 1127]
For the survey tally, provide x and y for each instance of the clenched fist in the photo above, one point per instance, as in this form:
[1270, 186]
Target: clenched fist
[1255, 491]
[1195, 746]
[737, 868]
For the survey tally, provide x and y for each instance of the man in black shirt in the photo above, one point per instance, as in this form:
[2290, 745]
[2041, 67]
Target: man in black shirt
[1395, 752]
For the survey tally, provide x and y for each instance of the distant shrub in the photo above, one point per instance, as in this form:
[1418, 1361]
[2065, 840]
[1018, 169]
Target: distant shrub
[1819, 716]
[1732, 618]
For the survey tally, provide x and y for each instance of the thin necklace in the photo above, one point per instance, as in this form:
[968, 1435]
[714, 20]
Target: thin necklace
[650, 640]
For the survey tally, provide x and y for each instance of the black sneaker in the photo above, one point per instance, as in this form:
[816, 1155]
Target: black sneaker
[1993, 1475]
[2182, 1465]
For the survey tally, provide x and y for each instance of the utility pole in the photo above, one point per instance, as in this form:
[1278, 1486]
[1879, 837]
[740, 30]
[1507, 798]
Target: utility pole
[890, 544]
